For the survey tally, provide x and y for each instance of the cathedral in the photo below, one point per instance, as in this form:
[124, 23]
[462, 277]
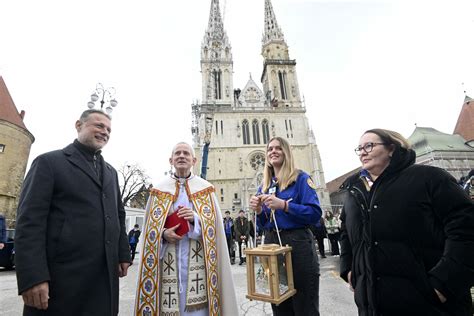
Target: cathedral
[231, 126]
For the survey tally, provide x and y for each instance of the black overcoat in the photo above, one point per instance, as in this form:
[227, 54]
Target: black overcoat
[71, 232]
[241, 229]
[412, 232]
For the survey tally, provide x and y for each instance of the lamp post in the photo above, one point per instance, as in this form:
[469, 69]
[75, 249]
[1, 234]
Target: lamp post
[103, 95]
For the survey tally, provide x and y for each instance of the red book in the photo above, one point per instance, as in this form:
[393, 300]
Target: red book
[173, 220]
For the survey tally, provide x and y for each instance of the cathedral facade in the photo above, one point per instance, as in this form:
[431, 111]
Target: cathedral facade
[232, 126]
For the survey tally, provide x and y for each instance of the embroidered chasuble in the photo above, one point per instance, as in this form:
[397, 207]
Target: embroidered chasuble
[183, 278]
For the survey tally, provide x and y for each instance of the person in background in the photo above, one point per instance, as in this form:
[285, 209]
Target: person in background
[229, 235]
[3, 232]
[252, 233]
[332, 227]
[320, 232]
[242, 233]
[133, 238]
[468, 184]
[291, 193]
[407, 233]
[71, 245]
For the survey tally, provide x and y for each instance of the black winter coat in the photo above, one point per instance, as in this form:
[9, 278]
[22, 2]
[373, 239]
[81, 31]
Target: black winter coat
[413, 232]
[241, 229]
[71, 232]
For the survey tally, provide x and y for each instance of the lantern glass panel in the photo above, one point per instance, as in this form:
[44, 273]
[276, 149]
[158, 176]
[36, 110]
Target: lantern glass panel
[283, 277]
[262, 275]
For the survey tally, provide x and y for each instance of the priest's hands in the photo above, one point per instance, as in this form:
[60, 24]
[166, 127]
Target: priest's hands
[170, 235]
[186, 213]
[37, 296]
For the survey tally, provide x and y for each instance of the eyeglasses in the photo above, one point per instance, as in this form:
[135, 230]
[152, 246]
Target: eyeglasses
[367, 148]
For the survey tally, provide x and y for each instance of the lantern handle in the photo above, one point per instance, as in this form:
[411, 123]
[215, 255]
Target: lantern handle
[255, 231]
[276, 227]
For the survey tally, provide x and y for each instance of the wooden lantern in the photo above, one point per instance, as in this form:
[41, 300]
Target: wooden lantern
[269, 273]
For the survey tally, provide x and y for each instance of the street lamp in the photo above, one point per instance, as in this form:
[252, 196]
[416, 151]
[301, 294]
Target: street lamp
[105, 95]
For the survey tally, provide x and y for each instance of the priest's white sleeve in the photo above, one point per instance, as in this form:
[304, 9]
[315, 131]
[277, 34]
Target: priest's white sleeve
[195, 230]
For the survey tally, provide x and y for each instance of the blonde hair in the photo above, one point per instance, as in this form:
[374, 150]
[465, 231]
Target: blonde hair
[288, 171]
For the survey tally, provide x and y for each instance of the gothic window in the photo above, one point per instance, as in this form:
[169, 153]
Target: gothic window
[257, 161]
[282, 80]
[256, 132]
[217, 130]
[222, 127]
[287, 132]
[217, 84]
[246, 132]
[265, 132]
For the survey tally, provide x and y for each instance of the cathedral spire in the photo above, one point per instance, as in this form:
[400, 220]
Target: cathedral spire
[272, 31]
[215, 27]
[216, 61]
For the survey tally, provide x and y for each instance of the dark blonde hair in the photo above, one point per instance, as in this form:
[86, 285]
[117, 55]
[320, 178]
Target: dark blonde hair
[390, 138]
[288, 171]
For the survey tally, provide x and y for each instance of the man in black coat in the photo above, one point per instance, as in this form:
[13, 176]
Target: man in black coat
[242, 231]
[71, 244]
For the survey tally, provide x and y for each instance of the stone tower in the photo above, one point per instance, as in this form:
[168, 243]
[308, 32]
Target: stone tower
[230, 130]
[465, 122]
[15, 144]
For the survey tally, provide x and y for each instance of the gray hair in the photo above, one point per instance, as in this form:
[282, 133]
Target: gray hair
[85, 115]
[183, 143]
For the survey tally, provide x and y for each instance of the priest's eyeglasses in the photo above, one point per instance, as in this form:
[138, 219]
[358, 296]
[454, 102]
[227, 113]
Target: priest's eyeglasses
[367, 148]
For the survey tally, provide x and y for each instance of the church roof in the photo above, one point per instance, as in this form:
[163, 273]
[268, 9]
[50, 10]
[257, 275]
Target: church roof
[272, 31]
[465, 123]
[426, 139]
[8, 110]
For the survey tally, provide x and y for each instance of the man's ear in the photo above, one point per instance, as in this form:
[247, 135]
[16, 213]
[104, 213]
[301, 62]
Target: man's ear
[78, 125]
[171, 161]
[194, 160]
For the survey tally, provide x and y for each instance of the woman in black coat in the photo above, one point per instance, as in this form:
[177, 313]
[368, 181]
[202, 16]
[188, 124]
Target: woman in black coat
[407, 233]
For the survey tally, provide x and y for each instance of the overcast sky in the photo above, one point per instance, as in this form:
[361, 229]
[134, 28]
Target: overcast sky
[360, 65]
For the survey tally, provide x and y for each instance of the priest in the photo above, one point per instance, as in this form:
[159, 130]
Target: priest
[184, 267]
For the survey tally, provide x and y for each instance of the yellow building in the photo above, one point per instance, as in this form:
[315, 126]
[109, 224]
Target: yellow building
[15, 144]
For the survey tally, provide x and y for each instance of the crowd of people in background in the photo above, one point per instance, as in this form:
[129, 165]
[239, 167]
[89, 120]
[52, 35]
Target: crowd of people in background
[240, 233]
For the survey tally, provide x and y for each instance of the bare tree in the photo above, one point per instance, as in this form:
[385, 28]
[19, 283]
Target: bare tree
[134, 184]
